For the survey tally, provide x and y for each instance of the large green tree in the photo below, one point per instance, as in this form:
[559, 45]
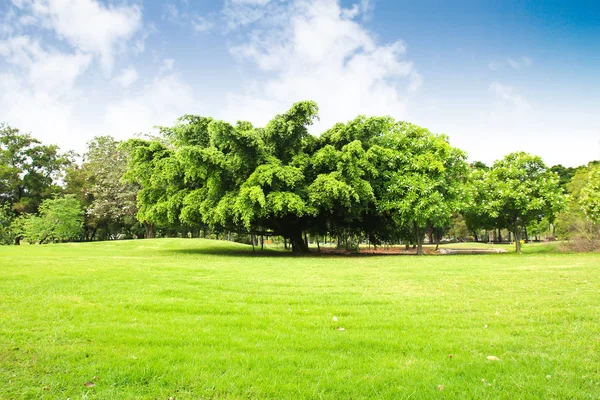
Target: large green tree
[423, 179]
[372, 177]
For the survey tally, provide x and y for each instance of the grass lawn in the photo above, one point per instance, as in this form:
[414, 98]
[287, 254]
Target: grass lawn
[189, 319]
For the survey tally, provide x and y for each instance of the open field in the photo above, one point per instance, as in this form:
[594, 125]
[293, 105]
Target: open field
[154, 319]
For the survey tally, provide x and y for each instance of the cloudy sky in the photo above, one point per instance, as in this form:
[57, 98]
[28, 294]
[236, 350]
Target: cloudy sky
[495, 76]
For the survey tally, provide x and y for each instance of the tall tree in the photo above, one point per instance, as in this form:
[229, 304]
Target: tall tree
[114, 201]
[425, 179]
[29, 171]
[97, 183]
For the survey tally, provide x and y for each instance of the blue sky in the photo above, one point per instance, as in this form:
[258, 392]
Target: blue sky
[495, 76]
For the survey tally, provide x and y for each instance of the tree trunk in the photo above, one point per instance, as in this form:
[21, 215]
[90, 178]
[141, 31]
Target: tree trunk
[150, 232]
[430, 235]
[419, 238]
[262, 242]
[526, 236]
[517, 234]
[298, 243]
[318, 246]
[499, 235]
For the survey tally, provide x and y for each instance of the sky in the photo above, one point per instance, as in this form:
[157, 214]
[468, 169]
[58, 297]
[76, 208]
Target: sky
[496, 77]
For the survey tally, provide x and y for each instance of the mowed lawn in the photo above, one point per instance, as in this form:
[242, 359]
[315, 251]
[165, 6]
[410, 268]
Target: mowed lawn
[193, 319]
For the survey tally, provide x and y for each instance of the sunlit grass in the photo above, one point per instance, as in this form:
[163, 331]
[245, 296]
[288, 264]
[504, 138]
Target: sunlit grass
[204, 319]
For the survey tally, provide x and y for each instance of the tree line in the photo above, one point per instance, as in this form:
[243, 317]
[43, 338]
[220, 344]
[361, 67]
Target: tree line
[374, 180]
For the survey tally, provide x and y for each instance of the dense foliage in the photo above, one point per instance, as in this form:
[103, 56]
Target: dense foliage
[515, 192]
[59, 220]
[370, 180]
[374, 177]
[97, 183]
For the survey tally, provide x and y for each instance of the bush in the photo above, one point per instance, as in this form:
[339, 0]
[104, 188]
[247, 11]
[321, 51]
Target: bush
[60, 220]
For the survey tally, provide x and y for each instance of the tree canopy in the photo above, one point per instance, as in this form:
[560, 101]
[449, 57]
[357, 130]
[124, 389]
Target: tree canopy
[514, 192]
[362, 177]
[28, 170]
[371, 179]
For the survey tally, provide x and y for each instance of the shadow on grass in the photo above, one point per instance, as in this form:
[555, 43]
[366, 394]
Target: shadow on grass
[230, 249]
[271, 253]
[223, 252]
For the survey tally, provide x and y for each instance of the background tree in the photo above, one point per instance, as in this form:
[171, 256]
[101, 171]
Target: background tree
[424, 179]
[59, 220]
[113, 206]
[565, 174]
[480, 212]
[7, 216]
[29, 171]
[97, 183]
[590, 196]
[572, 223]
[523, 190]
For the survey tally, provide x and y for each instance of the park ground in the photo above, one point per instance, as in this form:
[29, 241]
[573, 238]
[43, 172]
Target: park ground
[193, 319]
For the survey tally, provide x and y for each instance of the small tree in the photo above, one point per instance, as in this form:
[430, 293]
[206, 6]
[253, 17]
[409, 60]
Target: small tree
[524, 191]
[59, 220]
[590, 197]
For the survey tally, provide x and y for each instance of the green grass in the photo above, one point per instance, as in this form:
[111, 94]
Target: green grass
[190, 319]
[528, 248]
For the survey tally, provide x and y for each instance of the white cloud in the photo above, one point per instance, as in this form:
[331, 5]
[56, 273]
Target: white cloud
[508, 95]
[48, 118]
[202, 24]
[158, 103]
[182, 16]
[47, 71]
[239, 13]
[316, 50]
[168, 63]
[127, 77]
[523, 62]
[39, 89]
[88, 25]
